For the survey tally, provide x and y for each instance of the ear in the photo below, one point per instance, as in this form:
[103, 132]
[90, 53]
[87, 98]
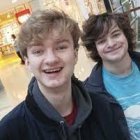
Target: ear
[76, 55]
[27, 63]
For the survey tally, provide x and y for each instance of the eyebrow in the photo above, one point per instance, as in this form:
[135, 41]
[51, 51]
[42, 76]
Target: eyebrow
[117, 29]
[62, 40]
[114, 29]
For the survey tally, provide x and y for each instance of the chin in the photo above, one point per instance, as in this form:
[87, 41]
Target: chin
[55, 84]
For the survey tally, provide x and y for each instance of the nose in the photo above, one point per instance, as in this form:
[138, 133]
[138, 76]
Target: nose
[51, 57]
[110, 42]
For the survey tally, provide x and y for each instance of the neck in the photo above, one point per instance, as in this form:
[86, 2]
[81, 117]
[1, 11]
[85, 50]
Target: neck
[60, 98]
[122, 67]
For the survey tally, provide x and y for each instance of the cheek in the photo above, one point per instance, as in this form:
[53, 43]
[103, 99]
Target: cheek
[123, 39]
[126, 42]
[100, 50]
[31, 65]
[72, 57]
[71, 60]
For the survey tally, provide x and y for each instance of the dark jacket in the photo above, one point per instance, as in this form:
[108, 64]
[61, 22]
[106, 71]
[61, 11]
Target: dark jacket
[97, 119]
[94, 83]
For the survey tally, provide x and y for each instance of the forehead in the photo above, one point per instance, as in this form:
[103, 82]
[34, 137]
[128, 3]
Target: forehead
[108, 28]
[58, 36]
[54, 35]
[113, 26]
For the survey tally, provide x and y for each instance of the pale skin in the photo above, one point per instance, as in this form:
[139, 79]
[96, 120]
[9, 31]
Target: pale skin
[113, 49]
[52, 63]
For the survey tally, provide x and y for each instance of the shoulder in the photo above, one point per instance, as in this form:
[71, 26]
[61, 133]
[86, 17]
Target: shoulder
[106, 105]
[99, 97]
[102, 108]
[135, 55]
[101, 101]
[95, 80]
[110, 116]
[13, 118]
[96, 71]
[13, 125]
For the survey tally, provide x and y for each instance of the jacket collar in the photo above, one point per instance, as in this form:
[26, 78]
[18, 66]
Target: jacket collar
[96, 79]
[35, 97]
[136, 58]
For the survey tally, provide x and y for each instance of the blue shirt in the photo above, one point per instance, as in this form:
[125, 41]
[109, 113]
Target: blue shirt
[126, 89]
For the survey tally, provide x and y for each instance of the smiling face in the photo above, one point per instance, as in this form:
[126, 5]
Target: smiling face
[113, 46]
[52, 62]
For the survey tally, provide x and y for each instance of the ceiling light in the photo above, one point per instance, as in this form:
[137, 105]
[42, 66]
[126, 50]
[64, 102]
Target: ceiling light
[13, 1]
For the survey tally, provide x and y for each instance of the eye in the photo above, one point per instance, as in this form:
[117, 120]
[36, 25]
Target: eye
[100, 41]
[37, 52]
[116, 34]
[62, 47]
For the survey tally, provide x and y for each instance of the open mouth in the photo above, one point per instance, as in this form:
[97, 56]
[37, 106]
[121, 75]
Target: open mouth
[52, 71]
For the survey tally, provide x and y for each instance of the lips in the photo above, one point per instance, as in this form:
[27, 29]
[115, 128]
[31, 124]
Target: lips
[53, 70]
[113, 50]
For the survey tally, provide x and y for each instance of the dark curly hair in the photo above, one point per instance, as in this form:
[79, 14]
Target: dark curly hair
[98, 25]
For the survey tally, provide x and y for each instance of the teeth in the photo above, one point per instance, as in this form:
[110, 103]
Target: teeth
[52, 70]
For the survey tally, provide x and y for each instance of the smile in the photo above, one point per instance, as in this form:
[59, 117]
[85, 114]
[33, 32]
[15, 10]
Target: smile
[114, 49]
[49, 71]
